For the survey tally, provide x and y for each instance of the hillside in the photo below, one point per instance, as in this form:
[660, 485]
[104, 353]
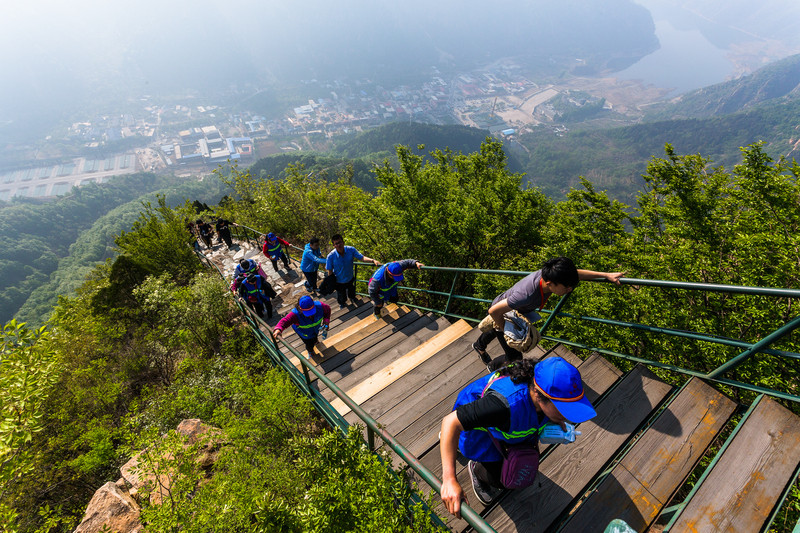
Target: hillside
[715, 121]
[47, 249]
[777, 80]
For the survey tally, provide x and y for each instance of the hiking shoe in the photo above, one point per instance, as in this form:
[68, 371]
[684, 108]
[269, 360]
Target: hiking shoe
[482, 354]
[483, 491]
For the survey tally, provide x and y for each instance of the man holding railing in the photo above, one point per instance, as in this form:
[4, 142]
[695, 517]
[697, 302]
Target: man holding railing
[383, 283]
[308, 319]
[528, 296]
[273, 249]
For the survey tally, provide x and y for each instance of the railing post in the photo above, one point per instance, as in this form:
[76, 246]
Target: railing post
[371, 439]
[555, 311]
[450, 296]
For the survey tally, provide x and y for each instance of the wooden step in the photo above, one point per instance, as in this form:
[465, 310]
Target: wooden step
[348, 368]
[644, 481]
[569, 469]
[742, 489]
[344, 338]
[395, 370]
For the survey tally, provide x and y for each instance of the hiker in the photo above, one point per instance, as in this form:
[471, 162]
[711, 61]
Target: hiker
[257, 292]
[506, 411]
[205, 231]
[557, 276]
[308, 319]
[310, 262]
[383, 283]
[340, 263]
[224, 232]
[245, 267]
[273, 249]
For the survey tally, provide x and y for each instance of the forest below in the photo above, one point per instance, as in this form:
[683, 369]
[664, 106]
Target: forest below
[151, 337]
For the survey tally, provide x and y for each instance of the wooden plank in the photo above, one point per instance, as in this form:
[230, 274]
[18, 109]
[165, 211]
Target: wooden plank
[347, 337]
[350, 368]
[741, 491]
[430, 376]
[345, 319]
[368, 388]
[340, 364]
[569, 469]
[657, 465]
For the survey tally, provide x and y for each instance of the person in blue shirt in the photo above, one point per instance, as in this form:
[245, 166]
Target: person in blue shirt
[310, 262]
[383, 284]
[308, 319]
[243, 268]
[340, 263]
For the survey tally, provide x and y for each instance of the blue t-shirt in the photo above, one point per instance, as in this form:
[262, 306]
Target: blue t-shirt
[342, 265]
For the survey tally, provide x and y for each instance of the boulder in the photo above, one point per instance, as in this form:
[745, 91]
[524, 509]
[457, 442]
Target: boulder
[195, 431]
[111, 507]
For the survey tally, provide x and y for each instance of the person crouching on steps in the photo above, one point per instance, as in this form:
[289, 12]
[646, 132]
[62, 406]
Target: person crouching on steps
[383, 284]
[501, 415]
[308, 318]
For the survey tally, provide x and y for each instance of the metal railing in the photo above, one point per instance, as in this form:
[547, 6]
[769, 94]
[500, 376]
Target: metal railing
[748, 350]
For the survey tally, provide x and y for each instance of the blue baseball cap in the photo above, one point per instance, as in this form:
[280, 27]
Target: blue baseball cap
[306, 306]
[561, 383]
[271, 236]
[395, 270]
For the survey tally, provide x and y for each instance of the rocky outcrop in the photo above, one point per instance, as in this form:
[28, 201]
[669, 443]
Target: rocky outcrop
[116, 505]
[112, 506]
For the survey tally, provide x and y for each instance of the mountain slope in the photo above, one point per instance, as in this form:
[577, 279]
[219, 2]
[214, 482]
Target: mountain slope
[774, 81]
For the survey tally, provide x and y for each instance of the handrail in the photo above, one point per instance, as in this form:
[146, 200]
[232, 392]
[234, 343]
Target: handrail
[326, 409]
[716, 374]
[748, 349]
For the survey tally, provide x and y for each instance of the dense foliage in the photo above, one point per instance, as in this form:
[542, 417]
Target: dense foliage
[151, 338]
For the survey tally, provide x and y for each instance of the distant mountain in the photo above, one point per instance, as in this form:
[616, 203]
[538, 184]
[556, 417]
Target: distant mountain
[776, 80]
[614, 159]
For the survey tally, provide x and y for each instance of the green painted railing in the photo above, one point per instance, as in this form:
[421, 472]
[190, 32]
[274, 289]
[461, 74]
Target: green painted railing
[716, 375]
[748, 350]
[303, 381]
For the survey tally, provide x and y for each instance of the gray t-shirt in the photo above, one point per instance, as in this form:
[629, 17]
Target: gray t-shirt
[525, 296]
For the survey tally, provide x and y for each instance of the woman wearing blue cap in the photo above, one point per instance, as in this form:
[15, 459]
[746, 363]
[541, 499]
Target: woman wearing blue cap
[273, 249]
[383, 284]
[307, 319]
[501, 414]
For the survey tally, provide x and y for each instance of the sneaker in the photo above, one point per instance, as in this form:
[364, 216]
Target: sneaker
[483, 355]
[342, 306]
[483, 491]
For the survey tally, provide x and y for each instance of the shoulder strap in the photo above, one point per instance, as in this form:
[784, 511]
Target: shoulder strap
[497, 444]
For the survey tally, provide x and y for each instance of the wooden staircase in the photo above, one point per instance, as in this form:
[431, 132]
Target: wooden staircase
[630, 462]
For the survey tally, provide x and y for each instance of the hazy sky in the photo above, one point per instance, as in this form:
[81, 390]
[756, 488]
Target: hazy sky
[61, 54]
